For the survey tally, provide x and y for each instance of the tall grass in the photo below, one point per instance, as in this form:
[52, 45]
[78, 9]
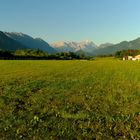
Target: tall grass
[97, 99]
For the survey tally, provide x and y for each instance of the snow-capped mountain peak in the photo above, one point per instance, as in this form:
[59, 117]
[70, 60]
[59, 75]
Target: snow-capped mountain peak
[86, 46]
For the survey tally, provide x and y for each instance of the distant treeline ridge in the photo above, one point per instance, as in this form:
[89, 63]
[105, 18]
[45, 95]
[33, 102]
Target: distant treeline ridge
[39, 55]
[123, 53]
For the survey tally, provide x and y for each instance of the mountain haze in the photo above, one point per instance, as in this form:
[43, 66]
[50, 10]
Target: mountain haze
[105, 45]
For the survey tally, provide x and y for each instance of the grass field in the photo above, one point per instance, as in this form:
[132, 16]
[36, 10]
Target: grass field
[65, 100]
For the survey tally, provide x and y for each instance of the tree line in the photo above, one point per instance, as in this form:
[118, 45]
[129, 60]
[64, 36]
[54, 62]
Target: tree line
[121, 54]
[39, 55]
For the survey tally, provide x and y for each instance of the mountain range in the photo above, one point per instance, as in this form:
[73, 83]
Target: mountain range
[86, 46]
[13, 41]
[124, 45]
[30, 42]
[8, 43]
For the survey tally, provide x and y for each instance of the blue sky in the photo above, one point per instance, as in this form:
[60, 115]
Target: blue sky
[72, 20]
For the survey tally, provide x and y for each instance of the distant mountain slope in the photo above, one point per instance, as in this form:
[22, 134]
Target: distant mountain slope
[105, 45]
[86, 46]
[8, 43]
[14, 41]
[83, 53]
[30, 42]
[62, 47]
[124, 45]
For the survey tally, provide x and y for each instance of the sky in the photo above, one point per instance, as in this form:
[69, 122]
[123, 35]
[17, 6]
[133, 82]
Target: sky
[99, 21]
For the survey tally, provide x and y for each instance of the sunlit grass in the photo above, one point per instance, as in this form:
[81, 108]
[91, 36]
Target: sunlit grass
[70, 99]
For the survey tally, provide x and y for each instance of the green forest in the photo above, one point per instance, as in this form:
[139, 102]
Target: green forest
[40, 55]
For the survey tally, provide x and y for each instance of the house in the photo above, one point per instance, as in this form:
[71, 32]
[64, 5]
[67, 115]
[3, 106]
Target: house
[137, 57]
[130, 57]
[127, 57]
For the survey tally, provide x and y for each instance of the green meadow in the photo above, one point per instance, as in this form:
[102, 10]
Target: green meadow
[69, 100]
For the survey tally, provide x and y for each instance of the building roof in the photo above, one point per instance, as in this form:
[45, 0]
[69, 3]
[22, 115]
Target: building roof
[137, 56]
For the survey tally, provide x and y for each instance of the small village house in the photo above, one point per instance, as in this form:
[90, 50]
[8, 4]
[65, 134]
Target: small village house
[127, 57]
[137, 57]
